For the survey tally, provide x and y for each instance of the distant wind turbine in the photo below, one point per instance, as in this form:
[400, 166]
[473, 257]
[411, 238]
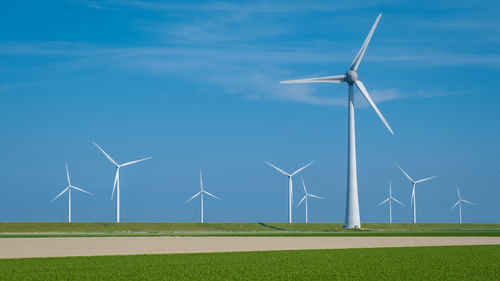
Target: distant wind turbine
[306, 196]
[290, 186]
[352, 219]
[459, 203]
[116, 184]
[414, 183]
[390, 199]
[201, 193]
[68, 189]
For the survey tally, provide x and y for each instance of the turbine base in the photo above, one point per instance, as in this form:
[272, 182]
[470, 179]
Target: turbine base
[351, 227]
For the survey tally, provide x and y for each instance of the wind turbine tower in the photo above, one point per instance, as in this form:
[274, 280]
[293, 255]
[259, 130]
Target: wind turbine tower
[352, 219]
[305, 198]
[117, 178]
[201, 193]
[459, 203]
[68, 189]
[390, 199]
[413, 198]
[290, 186]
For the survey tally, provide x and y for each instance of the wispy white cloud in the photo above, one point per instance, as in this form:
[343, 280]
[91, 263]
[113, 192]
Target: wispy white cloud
[210, 29]
[226, 44]
[241, 6]
[91, 4]
[249, 54]
[250, 72]
[460, 24]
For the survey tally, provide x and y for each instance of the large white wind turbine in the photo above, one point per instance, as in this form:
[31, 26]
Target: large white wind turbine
[68, 189]
[306, 196]
[414, 183]
[352, 219]
[201, 193]
[116, 184]
[290, 186]
[390, 199]
[459, 203]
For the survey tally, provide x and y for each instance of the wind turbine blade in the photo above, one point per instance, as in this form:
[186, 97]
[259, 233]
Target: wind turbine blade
[326, 79]
[62, 192]
[67, 173]
[458, 192]
[398, 201]
[79, 189]
[405, 174]
[454, 205]
[467, 202]
[193, 197]
[105, 154]
[367, 96]
[279, 170]
[114, 184]
[208, 193]
[426, 179]
[303, 198]
[298, 171]
[304, 185]
[315, 196]
[136, 161]
[381, 203]
[359, 56]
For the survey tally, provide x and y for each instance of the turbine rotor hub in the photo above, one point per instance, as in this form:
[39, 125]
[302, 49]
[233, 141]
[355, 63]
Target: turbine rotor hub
[351, 76]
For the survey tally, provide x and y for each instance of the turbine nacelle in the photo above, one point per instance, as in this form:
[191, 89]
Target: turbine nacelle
[351, 76]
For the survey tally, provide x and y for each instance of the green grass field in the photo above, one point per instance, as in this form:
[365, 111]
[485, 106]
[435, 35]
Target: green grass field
[416, 263]
[45, 229]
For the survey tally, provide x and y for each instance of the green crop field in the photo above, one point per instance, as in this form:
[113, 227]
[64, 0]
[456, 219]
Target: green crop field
[46, 229]
[414, 263]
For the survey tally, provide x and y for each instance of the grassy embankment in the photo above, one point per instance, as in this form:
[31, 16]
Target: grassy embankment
[44, 229]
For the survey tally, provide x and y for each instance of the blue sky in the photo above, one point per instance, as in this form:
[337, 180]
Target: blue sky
[195, 85]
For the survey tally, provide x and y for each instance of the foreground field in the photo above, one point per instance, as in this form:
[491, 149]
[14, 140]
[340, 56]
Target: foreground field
[419, 263]
[44, 229]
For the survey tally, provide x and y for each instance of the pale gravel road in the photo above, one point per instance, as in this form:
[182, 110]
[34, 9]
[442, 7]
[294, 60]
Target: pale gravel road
[100, 246]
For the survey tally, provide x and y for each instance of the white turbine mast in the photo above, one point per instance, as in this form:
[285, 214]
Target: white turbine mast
[413, 198]
[390, 199]
[290, 186]
[68, 189]
[201, 193]
[116, 183]
[352, 219]
[459, 203]
[305, 198]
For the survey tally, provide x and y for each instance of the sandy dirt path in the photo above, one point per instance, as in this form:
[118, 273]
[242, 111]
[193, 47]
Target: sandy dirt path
[98, 246]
